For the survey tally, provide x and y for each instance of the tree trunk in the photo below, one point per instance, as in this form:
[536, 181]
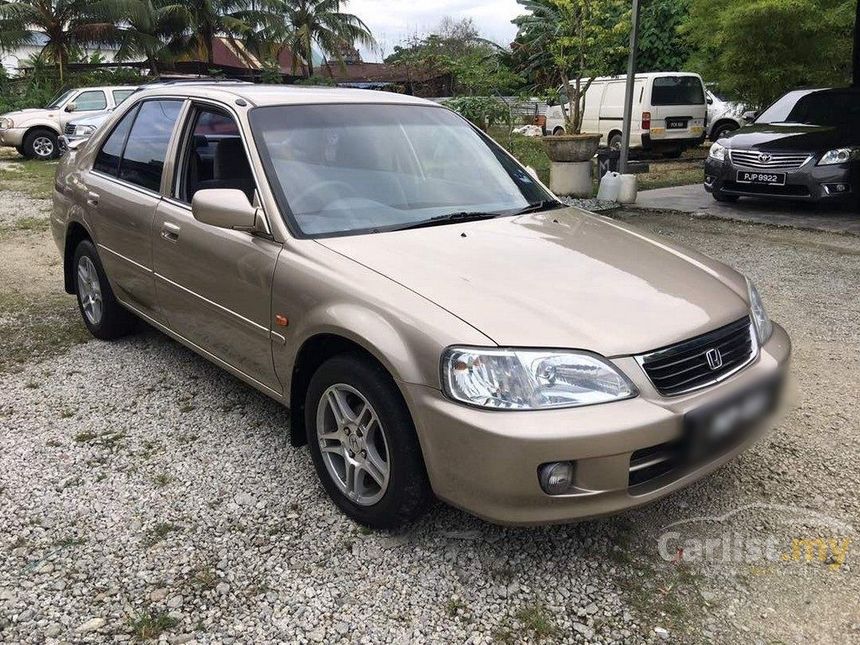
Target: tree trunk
[856, 58]
[310, 54]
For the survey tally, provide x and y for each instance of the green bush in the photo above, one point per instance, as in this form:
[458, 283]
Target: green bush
[483, 111]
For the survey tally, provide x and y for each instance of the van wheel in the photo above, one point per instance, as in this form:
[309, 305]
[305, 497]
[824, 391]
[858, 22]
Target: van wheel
[363, 443]
[673, 154]
[104, 317]
[41, 144]
[559, 131]
[615, 141]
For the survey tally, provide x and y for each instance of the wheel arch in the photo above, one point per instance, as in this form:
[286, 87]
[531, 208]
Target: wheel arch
[75, 234]
[42, 125]
[721, 122]
[312, 353]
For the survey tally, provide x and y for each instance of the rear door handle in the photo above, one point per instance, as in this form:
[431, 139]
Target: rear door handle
[170, 231]
[92, 198]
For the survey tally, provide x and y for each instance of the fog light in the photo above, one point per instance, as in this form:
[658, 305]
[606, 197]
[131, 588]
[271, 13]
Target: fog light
[835, 189]
[556, 478]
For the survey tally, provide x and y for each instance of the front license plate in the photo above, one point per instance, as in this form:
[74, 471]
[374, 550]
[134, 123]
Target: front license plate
[676, 124]
[711, 428]
[761, 178]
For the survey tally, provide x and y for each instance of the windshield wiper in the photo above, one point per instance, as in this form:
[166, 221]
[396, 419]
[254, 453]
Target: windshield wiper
[449, 218]
[543, 205]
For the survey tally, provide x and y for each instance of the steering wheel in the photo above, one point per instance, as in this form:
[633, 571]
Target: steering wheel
[333, 189]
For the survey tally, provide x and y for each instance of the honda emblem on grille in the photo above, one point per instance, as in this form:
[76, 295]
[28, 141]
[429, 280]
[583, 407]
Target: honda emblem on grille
[715, 359]
[764, 158]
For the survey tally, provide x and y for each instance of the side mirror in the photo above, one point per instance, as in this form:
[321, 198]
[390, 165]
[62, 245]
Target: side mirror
[710, 100]
[71, 107]
[227, 208]
[749, 116]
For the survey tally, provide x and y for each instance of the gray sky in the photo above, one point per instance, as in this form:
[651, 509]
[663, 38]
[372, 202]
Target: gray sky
[391, 21]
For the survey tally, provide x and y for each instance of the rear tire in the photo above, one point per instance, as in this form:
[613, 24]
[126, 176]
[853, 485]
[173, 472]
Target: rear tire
[721, 131]
[559, 131]
[366, 453]
[104, 317]
[673, 154]
[41, 144]
[615, 141]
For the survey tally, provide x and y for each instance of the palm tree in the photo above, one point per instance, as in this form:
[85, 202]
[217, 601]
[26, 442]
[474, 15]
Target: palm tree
[68, 26]
[206, 19]
[322, 22]
[145, 27]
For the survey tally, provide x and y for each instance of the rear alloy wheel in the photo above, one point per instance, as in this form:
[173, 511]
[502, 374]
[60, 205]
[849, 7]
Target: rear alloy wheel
[41, 144]
[363, 443]
[104, 317]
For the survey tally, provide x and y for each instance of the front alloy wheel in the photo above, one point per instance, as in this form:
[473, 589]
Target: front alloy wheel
[353, 444]
[363, 443]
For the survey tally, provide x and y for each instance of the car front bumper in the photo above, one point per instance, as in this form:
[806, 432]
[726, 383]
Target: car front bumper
[810, 182]
[486, 461]
[12, 137]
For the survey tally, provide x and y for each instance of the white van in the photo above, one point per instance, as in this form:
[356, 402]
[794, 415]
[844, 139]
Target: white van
[669, 111]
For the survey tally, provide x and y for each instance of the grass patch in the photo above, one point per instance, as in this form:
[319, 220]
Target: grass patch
[149, 625]
[160, 532]
[453, 606]
[69, 542]
[33, 178]
[538, 621]
[35, 328]
[672, 175]
[162, 479]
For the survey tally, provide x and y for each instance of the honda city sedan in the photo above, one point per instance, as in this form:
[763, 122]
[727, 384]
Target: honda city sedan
[438, 323]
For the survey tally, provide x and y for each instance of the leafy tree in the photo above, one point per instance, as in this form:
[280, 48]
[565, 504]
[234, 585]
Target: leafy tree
[67, 25]
[662, 47]
[758, 49]
[322, 22]
[483, 111]
[582, 39]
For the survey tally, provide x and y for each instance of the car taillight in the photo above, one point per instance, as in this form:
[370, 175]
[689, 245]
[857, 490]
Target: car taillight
[646, 120]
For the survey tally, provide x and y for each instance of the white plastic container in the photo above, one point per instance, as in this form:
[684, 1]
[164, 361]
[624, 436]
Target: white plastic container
[627, 192]
[610, 186]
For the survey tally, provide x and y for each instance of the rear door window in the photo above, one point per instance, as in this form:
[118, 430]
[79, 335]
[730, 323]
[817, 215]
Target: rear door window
[107, 160]
[677, 90]
[146, 148]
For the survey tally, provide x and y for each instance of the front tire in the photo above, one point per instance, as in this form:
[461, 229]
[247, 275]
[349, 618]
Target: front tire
[722, 130]
[104, 317]
[723, 198]
[363, 443]
[41, 144]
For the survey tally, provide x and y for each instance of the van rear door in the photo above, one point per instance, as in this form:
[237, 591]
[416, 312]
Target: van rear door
[678, 108]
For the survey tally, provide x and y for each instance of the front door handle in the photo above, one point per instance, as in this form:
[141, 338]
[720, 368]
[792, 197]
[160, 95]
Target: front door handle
[170, 231]
[92, 198]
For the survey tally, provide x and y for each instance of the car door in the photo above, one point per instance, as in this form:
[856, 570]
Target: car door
[122, 191]
[86, 102]
[214, 284]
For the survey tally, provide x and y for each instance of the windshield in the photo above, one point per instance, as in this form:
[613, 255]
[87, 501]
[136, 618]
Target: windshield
[836, 109]
[59, 100]
[357, 168]
[677, 90]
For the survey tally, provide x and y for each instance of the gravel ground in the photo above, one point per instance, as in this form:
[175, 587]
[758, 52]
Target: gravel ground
[144, 493]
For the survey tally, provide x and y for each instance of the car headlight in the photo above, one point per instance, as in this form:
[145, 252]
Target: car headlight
[717, 152]
[839, 155]
[6, 123]
[84, 130]
[531, 379]
[763, 325]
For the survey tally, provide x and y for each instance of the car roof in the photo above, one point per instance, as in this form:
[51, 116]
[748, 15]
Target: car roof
[261, 95]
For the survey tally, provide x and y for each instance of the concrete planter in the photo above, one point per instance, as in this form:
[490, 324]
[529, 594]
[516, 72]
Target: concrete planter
[571, 147]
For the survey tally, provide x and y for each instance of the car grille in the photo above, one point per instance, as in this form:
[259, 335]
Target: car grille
[761, 159]
[686, 366]
[70, 128]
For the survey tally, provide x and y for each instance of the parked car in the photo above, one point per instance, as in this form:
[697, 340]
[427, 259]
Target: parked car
[723, 116]
[34, 132]
[805, 146]
[437, 322]
[82, 129]
[669, 111]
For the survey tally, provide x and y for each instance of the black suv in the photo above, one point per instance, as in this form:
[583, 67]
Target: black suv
[805, 146]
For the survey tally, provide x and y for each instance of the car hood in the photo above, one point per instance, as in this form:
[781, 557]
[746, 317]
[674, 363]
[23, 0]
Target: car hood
[790, 137]
[29, 113]
[94, 119]
[562, 278]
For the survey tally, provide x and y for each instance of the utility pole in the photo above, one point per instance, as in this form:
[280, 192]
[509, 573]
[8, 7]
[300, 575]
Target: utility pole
[856, 58]
[628, 93]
